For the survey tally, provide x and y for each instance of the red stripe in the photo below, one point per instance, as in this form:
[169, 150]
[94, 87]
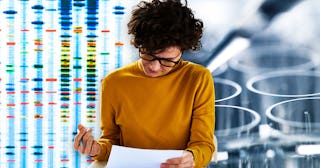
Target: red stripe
[52, 103]
[51, 79]
[51, 30]
[11, 43]
[64, 160]
[24, 91]
[65, 105]
[38, 43]
[50, 92]
[119, 44]
[77, 79]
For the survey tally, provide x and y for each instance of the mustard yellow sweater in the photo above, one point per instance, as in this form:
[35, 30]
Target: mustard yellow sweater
[175, 111]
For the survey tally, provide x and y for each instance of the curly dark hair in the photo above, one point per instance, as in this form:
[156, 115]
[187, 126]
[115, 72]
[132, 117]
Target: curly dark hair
[158, 24]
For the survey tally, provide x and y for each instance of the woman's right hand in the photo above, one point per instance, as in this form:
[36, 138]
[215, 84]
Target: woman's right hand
[85, 143]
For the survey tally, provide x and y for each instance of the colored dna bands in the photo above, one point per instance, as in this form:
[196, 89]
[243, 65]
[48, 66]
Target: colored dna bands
[54, 54]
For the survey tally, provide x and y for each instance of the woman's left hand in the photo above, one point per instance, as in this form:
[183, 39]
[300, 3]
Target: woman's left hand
[185, 161]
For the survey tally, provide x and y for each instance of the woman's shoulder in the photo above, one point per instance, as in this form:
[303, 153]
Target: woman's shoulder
[129, 68]
[120, 73]
[195, 68]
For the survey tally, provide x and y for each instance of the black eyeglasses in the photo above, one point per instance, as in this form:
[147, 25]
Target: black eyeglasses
[163, 61]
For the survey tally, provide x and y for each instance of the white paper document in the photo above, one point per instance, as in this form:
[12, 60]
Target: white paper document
[125, 157]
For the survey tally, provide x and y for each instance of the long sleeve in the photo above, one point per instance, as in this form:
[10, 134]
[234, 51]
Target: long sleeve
[203, 119]
[110, 131]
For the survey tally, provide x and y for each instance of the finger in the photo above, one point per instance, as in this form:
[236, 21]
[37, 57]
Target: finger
[188, 164]
[80, 126]
[163, 165]
[87, 134]
[78, 137]
[85, 138]
[83, 141]
[166, 165]
[95, 148]
[89, 144]
[174, 160]
[185, 161]
[77, 141]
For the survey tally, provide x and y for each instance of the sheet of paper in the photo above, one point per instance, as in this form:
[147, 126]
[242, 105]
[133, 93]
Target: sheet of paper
[125, 157]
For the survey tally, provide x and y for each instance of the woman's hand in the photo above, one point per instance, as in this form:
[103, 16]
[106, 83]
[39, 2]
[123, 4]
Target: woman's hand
[185, 161]
[85, 143]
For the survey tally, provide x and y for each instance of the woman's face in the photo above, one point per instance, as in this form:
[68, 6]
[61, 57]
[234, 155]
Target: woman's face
[154, 68]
